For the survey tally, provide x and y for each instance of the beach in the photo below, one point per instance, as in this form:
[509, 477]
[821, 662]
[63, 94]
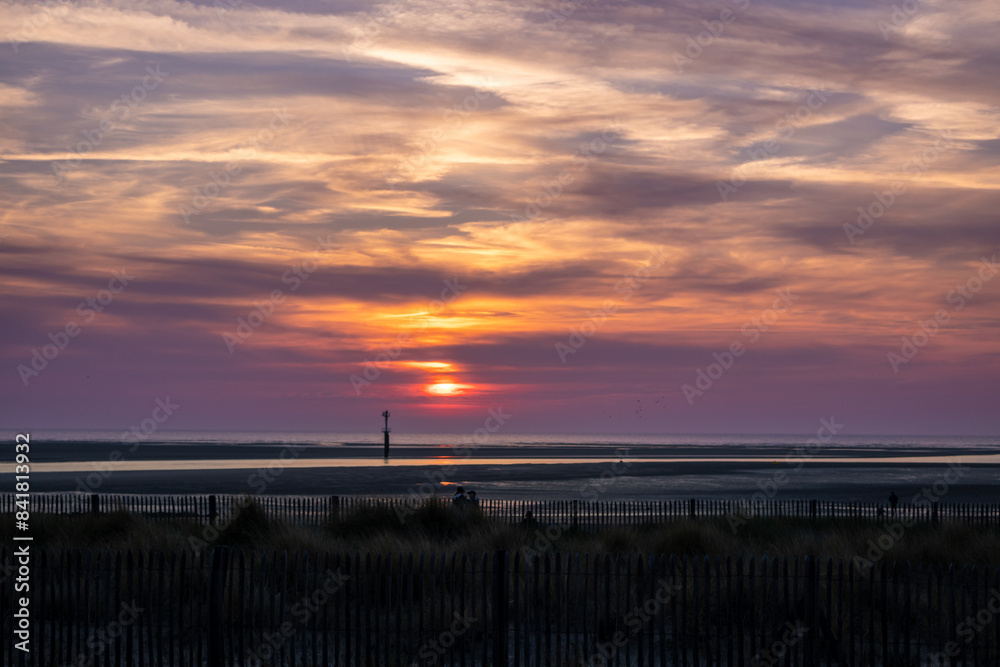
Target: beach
[563, 472]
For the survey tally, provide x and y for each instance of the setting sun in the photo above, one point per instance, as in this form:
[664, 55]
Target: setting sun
[446, 389]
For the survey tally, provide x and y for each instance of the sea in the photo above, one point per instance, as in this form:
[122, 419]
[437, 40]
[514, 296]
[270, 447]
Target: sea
[509, 465]
[542, 441]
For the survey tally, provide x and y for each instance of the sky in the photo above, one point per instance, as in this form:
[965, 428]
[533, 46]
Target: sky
[742, 216]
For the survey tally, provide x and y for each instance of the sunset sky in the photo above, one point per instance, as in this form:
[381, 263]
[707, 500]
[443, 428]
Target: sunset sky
[567, 210]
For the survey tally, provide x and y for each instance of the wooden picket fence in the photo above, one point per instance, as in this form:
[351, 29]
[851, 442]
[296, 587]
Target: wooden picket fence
[226, 607]
[581, 513]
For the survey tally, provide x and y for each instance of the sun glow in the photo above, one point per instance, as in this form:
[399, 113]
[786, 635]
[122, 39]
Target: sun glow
[446, 389]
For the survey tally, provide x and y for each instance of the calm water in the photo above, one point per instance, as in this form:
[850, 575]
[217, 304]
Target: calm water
[522, 440]
[249, 464]
[891, 458]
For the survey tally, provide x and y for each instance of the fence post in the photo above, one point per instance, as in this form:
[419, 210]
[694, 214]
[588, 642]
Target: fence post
[934, 512]
[95, 504]
[335, 508]
[576, 514]
[812, 588]
[692, 503]
[213, 510]
[501, 594]
[812, 510]
[216, 590]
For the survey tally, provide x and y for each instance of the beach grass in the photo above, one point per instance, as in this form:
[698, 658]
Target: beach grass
[433, 528]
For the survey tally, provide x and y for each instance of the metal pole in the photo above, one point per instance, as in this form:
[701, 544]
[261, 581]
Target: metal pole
[385, 432]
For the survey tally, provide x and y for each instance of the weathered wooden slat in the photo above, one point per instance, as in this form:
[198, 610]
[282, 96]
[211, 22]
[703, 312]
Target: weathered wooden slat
[963, 586]
[364, 625]
[172, 632]
[519, 594]
[94, 573]
[718, 614]
[883, 595]
[789, 596]
[7, 584]
[995, 624]
[535, 610]
[461, 641]
[756, 636]
[492, 626]
[130, 594]
[59, 592]
[350, 594]
[380, 634]
[324, 616]
[302, 587]
[696, 615]
[587, 573]
[852, 618]
[39, 598]
[238, 585]
[323, 586]
[906, 623]
[145, 583]
[418, 591]
[871, 597]
[672, 577]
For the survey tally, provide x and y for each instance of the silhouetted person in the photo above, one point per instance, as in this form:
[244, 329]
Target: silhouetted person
[893, 499]
[529, 520]
[459, 498]
[472, 500]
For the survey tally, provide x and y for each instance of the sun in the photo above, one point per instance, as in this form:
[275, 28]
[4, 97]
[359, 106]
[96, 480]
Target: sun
[446, 389]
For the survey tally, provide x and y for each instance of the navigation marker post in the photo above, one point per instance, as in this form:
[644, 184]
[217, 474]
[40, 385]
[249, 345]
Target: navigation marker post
[385, 432]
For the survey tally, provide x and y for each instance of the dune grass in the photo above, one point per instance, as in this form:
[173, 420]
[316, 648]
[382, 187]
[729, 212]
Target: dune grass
[434, 528]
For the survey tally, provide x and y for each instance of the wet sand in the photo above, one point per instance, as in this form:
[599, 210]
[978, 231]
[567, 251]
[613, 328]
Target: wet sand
[584, 473]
